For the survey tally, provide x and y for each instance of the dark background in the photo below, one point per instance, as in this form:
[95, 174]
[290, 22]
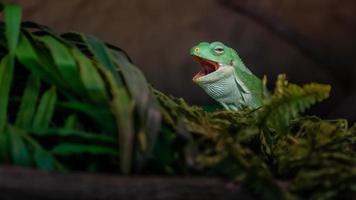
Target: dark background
[309, 40]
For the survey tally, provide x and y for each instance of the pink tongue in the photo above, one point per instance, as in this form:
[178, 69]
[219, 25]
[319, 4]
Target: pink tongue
[208, 69]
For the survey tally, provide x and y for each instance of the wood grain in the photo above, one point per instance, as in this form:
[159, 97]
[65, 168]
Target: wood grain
[21, 183]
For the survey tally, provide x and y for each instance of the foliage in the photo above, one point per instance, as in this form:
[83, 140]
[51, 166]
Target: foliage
[72, 102]
[312, 159]
[289, 100]
[81, 96]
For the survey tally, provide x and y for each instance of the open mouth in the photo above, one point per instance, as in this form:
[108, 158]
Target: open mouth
[208, 67]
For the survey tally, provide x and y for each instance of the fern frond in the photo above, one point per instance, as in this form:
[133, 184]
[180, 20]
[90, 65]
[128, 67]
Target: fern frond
[288, 101]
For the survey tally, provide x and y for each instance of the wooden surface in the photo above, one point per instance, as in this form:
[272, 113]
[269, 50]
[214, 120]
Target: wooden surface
[21, 183]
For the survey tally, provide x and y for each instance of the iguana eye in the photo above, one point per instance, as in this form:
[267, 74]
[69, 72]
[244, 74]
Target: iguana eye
[219, 50]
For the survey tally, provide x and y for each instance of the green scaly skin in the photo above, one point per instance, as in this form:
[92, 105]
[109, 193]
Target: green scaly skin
[225, 77]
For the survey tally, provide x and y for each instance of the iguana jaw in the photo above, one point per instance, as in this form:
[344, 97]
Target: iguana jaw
[209, 67]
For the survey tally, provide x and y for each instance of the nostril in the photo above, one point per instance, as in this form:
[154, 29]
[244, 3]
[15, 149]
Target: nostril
[197, 49]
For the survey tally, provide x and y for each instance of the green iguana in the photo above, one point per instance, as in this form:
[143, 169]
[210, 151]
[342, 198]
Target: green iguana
[225, 77]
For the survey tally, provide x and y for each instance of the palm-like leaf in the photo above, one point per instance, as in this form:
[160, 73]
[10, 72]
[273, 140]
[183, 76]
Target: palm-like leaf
[84, 77]
[85, 99]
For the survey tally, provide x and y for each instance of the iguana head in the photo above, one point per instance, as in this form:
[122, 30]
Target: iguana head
[217, 77]
[225, 78]
[215, 58]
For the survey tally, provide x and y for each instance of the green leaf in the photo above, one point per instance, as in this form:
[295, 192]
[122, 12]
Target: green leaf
[93, 83]
[28, 103]
[65, 149]
[122, 107]
[19, 150]
[32, 54]
[102, 116]
[12, 14]
[45, 109]
[77, 40]
[149, 117]
[4, 147]
[48, 65]
[65, 63]
[103, 56]
[94, 137]
[288, 101]
[163, 150]
[28, 57]
[71, 122]
[44, 160]
[6, 76]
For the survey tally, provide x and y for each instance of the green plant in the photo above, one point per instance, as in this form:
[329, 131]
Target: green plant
[70, 101]
[81, 97]
[271, 150]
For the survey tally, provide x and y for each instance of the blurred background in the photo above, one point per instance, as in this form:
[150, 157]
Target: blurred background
[309, 40]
